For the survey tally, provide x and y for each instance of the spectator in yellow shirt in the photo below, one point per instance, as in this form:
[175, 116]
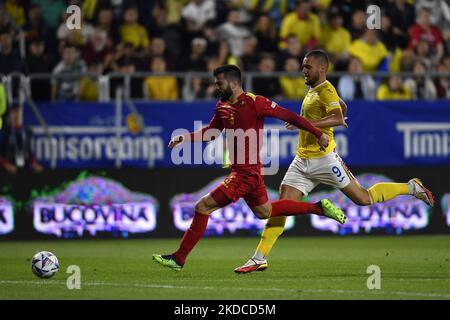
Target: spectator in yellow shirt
[336, 39]
[369, 50]
[89, 89]
[293, 87]
[394, 90]
[16, 11]
[322, 5]
[303, 24]
[161, 87]
[133, 32]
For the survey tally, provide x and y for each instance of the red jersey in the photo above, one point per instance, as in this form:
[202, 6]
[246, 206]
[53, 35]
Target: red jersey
[243, 122]
[417, 33]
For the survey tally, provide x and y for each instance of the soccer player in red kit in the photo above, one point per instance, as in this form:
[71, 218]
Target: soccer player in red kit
[239, 110]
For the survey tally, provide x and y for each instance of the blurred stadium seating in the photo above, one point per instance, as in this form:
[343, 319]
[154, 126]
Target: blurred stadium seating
[178, 43]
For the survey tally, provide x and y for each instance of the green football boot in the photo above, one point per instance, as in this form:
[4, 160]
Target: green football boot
[332, 212]
[168, 261]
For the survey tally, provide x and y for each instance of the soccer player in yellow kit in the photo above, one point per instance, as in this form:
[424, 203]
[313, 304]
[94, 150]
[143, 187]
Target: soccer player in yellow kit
[311, 166]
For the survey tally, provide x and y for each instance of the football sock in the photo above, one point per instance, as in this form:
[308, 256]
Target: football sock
[287, 207]
[275, 224]
[273, 229]
[191, 237]
[258, 256]
[385, 191]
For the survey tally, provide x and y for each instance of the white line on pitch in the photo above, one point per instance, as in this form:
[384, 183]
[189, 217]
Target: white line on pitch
[159, 286]
[323, 280]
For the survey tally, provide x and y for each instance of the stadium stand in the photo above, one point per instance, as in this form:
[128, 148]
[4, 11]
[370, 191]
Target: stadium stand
[125, 37]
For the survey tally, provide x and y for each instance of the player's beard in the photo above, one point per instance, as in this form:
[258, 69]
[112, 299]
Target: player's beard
[312, 80]
[226, 94]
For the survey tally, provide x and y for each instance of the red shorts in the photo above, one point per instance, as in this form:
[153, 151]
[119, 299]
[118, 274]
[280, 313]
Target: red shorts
[246, 183]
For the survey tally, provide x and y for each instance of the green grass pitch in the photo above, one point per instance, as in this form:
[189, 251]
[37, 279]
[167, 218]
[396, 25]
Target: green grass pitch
[412, 267]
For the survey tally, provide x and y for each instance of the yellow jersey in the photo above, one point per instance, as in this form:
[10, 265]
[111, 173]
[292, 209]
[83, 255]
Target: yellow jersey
[385, 93]
[293, 88]
[336, 41]
[162, 87]
[317, 103]
[135, 34]
[303, 30]
[370, 55]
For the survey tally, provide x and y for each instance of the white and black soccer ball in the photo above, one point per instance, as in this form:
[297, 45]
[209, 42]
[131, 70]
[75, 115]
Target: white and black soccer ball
[44, 264]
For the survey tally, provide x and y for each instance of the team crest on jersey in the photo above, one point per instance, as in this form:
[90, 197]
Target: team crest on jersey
[313, 96]
[231, 119]
[227, 114]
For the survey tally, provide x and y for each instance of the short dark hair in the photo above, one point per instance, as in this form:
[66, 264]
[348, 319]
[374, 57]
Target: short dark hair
[36, 39]
[425, 9]
[5, 30]
[299, 2]
[69, 45]
[319, 54]
[230, 71]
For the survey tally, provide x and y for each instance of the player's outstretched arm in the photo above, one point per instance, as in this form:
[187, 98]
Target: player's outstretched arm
[294, 119]
[343, 106]
[196, 136]
[208, 133]
[334, 118]
[267, 108]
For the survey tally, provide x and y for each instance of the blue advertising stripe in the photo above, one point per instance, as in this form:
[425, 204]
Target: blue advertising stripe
[379, 133]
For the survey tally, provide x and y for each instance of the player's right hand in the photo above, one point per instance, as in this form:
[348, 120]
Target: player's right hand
[323, 141]
[289, 126]
[175, 140]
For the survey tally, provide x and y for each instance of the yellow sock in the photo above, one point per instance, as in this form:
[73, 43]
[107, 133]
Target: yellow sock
[385, 191]
[273, 229]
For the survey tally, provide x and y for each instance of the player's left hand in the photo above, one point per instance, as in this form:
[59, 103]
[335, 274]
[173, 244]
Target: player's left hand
[323, 141]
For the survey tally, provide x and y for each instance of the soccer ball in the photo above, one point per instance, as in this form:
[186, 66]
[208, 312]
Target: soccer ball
[44, 264]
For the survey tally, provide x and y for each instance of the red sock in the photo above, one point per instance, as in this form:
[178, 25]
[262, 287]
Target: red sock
[294, 208]
[191, 237]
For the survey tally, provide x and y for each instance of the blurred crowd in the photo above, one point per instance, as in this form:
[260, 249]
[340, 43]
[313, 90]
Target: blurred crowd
[125, 37]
